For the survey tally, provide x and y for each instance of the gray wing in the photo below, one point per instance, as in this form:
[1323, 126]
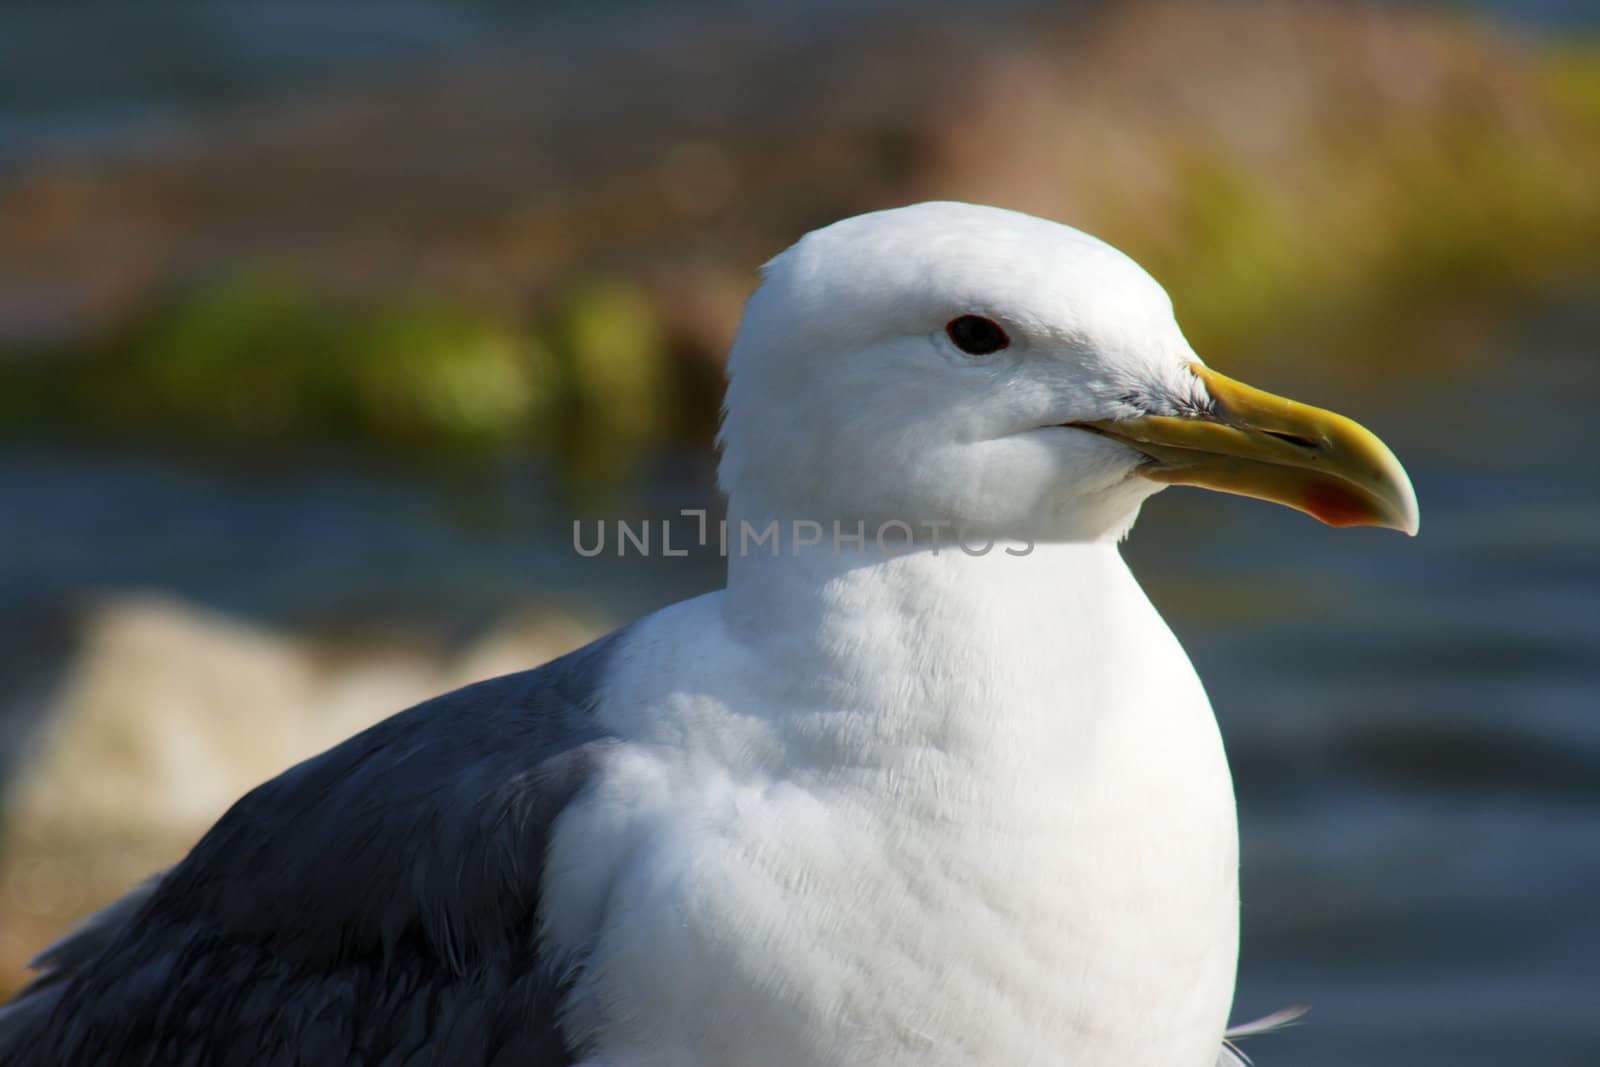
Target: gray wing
[376, 904]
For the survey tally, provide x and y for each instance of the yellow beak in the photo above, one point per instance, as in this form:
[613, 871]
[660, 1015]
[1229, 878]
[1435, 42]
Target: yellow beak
[1255, 444]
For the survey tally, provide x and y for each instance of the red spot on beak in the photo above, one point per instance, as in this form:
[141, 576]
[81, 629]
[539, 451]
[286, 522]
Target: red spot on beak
[1337, 504]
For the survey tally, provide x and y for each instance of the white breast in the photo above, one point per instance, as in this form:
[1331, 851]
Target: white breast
[939, 819]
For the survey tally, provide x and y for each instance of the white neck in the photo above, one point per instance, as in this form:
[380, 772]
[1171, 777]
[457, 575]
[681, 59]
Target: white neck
[937, 648]
[939, 586]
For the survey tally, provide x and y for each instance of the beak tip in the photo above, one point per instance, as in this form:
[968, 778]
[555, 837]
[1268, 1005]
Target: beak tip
[1409, 515]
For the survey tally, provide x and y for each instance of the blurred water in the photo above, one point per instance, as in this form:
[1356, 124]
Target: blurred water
[102, 75]
[105, 75]
[1414, 725]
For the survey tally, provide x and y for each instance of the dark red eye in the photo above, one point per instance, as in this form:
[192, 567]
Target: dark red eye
[976, 335]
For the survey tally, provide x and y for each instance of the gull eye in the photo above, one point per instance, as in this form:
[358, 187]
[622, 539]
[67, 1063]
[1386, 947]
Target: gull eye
[976, 335]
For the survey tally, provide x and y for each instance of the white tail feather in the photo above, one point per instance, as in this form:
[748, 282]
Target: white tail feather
[1232, 1056]
[1268, 1023]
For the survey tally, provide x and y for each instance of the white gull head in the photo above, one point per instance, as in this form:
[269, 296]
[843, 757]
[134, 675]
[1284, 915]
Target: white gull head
[946, 365]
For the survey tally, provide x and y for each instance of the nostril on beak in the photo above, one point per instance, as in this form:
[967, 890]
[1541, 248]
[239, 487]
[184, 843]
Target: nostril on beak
[1298, 440]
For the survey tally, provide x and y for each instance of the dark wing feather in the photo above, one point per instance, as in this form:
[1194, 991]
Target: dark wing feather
[376, 904]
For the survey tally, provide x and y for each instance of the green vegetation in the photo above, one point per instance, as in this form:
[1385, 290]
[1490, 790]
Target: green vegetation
[262, 356]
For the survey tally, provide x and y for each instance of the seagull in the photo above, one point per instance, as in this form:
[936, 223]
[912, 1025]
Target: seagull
[928, 782]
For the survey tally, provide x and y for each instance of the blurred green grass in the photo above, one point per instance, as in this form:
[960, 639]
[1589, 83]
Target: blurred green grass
[262, 355]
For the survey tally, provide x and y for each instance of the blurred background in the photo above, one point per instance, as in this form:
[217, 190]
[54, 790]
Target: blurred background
[320, 324]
